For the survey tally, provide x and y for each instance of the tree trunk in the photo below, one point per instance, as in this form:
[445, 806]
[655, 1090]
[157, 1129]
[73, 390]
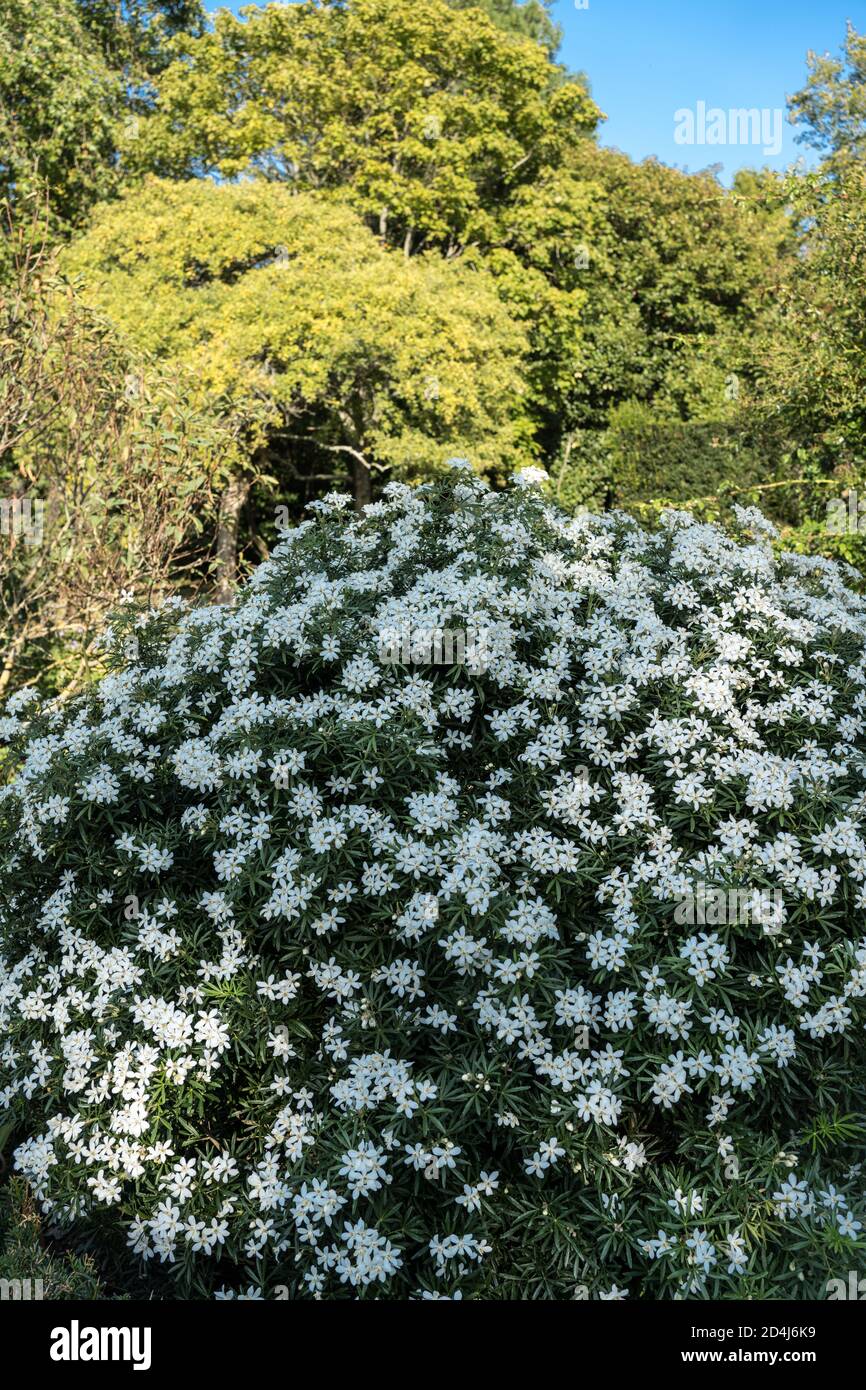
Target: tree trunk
[362, 484]
[231, 504]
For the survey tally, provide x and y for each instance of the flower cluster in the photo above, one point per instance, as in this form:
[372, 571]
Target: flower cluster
[329, 975]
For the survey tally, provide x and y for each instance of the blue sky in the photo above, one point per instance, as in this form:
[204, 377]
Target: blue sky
[646, 61]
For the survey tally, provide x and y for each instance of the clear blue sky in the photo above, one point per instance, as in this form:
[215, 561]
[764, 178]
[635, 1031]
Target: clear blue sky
[647, 59]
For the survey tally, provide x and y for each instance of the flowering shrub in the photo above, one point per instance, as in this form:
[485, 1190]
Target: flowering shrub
[329, 975]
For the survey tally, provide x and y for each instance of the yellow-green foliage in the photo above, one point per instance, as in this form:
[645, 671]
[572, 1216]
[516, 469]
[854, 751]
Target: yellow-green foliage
[291, 312]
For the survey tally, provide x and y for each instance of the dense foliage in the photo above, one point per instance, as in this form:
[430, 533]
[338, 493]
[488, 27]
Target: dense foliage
[364, 356]
[326, 973]
[108, 475]
[60, 105]
[426, 252]
[832, 104]
[332, 964]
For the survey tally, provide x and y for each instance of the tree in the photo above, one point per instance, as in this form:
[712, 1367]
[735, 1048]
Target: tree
[529, 18]
[60, 104]
[813, 367]
[667, 275]
[633, 282]
[434, 125]
[328, 349]
[135, 35]
[426, 119]
[832, 104]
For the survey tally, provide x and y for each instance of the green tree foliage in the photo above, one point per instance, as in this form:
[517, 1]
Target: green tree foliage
[817, 366]
[674, 274]
[813, 362]
[677, 270]
[632, 281]
[428, 120]
[832, 104]
[60, 104]
[329, 349]
[134, 35]
[529, 18]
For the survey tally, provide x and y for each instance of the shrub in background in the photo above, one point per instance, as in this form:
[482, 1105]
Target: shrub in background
[109, 477]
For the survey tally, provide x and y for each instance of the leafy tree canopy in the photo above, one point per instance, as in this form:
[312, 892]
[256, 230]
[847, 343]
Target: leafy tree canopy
[832, 104]
[134, 34]
[637, 282]
[429, 120]
[530, 18]
[293, 314]
[815, 370]
[60, 104]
